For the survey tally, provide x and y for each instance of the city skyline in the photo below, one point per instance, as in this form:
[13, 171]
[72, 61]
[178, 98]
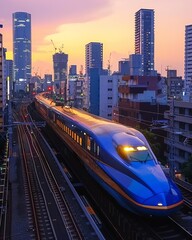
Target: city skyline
[74, 24]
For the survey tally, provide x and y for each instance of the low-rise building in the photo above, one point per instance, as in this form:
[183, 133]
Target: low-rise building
[179, 132]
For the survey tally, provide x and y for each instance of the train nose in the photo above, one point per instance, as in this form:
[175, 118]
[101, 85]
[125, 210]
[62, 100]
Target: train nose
[161, 200]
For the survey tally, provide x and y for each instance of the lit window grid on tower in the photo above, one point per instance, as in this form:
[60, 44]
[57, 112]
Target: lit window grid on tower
[22, 46]
[188, 59]
[144, 39]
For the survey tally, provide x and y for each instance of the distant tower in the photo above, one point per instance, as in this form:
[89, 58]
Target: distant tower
[73, 70]
[93, 69]
[9, 77]
[188, 61]
[1, 82]
[124, 67]
[21, 50]
[93, 56]
[60, 66]
[144, 39]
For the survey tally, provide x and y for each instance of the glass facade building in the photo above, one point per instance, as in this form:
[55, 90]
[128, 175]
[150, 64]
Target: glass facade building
[93, 56]
[93, 69]
[21, 50]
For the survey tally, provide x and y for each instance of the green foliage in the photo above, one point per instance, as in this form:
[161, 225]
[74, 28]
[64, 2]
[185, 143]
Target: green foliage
[187, 169]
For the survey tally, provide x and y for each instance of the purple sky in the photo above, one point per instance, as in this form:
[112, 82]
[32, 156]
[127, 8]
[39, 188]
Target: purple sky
[107, 21]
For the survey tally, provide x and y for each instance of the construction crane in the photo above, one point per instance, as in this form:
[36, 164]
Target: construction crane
[61, 48]
[54, 46]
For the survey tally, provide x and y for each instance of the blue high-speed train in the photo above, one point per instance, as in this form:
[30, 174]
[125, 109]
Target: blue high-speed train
[117, 156]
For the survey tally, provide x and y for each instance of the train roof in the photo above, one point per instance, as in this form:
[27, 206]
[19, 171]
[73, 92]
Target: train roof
[96, 124]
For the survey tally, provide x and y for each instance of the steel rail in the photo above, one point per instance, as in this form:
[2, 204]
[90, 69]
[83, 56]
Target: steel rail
[68, 219]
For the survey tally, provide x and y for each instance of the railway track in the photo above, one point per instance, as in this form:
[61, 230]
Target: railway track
[4, 184]
[68, 219]
[186, 189]
[34, 196]
[48, 212]
[151, 228]
[177, 226]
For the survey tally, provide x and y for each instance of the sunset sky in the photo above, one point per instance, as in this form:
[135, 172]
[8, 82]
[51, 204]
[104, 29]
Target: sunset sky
[74, 23]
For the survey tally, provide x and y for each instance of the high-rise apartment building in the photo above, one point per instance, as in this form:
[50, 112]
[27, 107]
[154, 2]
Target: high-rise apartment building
[9, 77]
[144, 39]
[93, 68]
[93, 56]
[60, 66]
[21, 50]
[188, 61]
[1, 82]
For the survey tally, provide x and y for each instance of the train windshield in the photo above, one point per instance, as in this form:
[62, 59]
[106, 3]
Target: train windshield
[134, 154]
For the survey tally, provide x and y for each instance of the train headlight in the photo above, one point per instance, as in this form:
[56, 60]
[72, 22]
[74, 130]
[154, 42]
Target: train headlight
[128, 149]
[160, 204]
[141, 148]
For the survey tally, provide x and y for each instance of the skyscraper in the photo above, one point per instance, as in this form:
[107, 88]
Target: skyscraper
[60, 66]
[93, 56]
[21, 50]
[1, 81]
[93, 68]
[188, 60]
[144, 39]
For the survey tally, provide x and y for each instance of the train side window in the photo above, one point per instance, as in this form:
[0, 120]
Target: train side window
[88, 143]
[80, 141]
[75, 136]
[98, 150]
[94, 148]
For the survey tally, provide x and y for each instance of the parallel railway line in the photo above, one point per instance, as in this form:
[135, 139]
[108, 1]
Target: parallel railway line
[49, 215]
[4, 185]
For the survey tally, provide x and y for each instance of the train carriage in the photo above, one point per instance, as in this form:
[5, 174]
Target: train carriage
[118, 157]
